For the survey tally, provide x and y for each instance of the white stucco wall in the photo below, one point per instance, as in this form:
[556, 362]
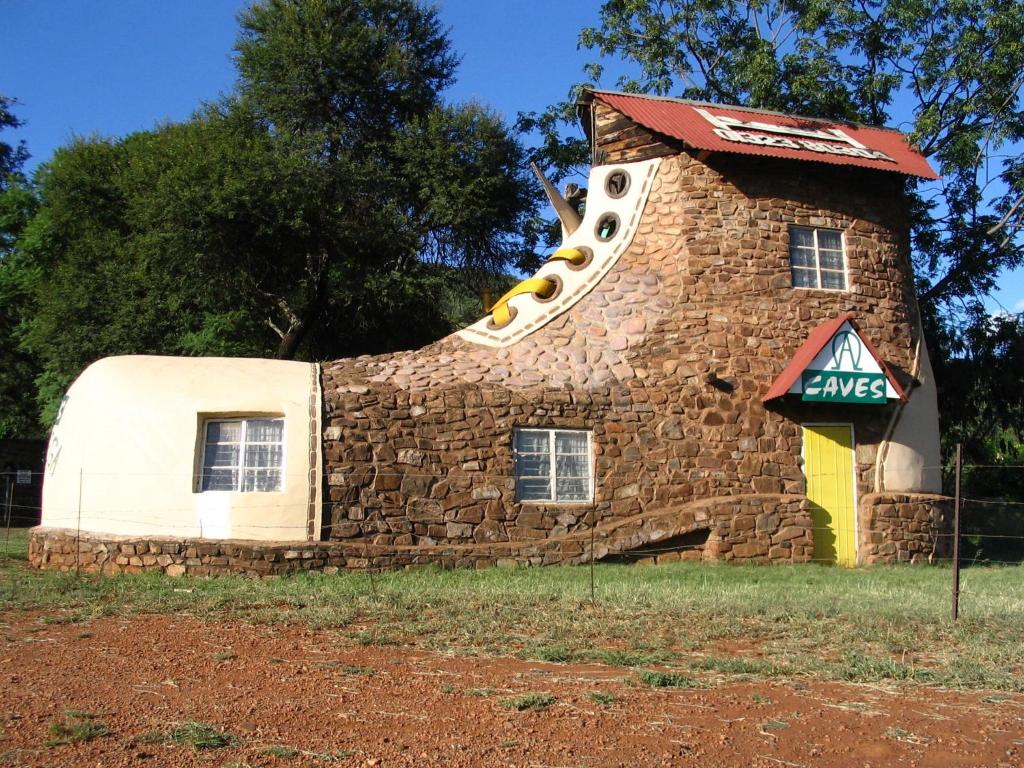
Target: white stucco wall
[912, 461]
[132, 427]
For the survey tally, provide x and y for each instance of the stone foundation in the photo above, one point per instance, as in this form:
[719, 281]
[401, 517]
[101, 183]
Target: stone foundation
[905, 528]
[756, 528]
[753, 528]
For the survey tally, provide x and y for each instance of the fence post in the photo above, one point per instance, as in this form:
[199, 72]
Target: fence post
[9, 489]
[956, 538]
[593, 524]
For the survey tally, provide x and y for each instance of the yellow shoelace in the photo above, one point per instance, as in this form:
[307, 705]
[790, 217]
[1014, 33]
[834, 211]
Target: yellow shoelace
[539, 286]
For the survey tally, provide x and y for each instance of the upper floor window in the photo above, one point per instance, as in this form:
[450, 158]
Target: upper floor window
[553, 465]
[242, 455]
[817, 259]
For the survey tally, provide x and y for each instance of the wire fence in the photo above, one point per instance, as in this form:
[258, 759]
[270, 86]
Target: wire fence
[987, 531]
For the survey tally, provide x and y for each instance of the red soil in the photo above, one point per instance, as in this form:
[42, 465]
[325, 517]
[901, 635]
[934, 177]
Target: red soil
[291, 686]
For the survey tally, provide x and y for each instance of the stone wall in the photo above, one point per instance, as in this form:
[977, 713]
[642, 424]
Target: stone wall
[779, 527]
[905, 528]
[666, 361]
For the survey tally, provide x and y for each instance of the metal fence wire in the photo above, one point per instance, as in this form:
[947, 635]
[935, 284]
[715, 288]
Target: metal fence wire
[985, 531]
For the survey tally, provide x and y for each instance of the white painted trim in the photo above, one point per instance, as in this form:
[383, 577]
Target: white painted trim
[853, 466]
[553, 477]
[531, 314]
[317, 437]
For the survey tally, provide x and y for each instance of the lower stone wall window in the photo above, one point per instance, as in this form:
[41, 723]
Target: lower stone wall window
[242, 455]
[553, 465]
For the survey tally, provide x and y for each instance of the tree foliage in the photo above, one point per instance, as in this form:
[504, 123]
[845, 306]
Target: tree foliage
[317, 211]
[17, 205]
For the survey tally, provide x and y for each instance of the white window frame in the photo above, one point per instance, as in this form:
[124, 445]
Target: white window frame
[241, 453]
[817, 260]
[553, 465]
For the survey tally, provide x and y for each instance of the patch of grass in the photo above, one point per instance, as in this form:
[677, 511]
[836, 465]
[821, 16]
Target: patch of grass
[199, 736]
[859, 667]
[65, 618]
[529, 701]
[10, 757]
[995, 699]
[14, 546]
[604, 699]
[509, 744]
[737, 666]
[657, 679]
[375, 638]
[773, 725]
[616, 657]
[759, 699]
[278, 750]
[828, 623]
[76, 731]
[551, 653]
[79, 714]
[447, 688]
[225, 656]
[481, 692]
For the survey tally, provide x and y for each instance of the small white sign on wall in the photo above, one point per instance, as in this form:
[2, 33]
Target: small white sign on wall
[213, 513]
[23, 477]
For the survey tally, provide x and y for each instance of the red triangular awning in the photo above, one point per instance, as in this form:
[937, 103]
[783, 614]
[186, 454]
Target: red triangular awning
[809, 350]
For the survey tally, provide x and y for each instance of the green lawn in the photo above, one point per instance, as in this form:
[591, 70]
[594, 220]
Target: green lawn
[872, 624]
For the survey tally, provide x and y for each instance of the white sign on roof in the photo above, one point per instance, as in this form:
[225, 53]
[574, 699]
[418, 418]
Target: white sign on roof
[766, 135]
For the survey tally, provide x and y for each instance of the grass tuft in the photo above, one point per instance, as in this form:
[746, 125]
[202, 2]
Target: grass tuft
[75, 732]
[278, 750]
[657, 679]
[739, 667]
[529, 701]
[604, 699]
[199, 736]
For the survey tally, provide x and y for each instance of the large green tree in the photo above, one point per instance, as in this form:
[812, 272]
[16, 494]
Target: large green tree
[950, 72]
[331, 205]
[18, 368]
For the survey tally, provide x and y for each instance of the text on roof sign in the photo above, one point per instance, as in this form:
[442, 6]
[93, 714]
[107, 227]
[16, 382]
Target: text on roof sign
[772, 135]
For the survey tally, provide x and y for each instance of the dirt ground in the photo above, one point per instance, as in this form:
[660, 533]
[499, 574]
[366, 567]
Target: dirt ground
[331, 703]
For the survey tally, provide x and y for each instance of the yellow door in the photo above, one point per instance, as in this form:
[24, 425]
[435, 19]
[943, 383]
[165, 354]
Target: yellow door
[828, 467]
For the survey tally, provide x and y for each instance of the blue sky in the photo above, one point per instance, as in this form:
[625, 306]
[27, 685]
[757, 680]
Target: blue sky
[113, 67]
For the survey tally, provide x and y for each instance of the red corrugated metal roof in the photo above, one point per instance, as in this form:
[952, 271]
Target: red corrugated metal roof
[753, 132]
[809, 350]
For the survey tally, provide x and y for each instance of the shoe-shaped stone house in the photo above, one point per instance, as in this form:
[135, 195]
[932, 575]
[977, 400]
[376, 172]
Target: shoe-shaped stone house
[724, 360]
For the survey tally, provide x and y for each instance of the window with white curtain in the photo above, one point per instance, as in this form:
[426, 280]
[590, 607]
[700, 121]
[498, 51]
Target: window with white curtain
[242, 455]
[817, 258]
[553, 465]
